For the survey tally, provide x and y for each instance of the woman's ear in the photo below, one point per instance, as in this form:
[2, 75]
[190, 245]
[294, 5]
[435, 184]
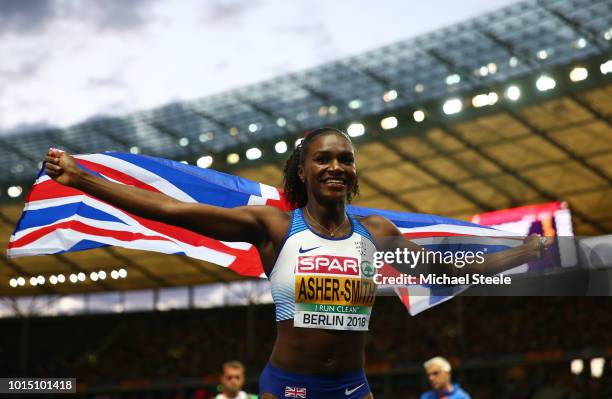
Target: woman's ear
[301, 173]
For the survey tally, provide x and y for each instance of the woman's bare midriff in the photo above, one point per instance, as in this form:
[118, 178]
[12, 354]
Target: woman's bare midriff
[316, 351]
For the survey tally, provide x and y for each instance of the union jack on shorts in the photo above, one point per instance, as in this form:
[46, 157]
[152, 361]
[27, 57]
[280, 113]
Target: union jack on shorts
[295, 392]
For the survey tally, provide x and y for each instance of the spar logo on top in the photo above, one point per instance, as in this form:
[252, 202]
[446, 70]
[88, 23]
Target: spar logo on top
[328, 264]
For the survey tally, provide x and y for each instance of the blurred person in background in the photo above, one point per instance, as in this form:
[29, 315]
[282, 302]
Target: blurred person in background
[232, 381]
[438, 371]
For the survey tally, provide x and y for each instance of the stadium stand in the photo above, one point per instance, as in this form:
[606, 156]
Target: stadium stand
[523, 343]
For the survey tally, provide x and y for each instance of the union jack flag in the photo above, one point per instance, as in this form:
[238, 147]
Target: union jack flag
[60, 219]
[295, 392]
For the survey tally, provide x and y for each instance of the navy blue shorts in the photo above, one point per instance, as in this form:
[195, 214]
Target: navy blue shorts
[284, 384]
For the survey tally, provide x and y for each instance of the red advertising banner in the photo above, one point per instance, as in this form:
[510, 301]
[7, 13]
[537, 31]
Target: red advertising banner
[552, 219]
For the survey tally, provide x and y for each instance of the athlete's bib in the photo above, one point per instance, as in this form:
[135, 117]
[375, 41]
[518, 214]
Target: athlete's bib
[322, 282]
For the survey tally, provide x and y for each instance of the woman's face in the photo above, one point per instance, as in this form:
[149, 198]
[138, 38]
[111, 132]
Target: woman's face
[329, 168]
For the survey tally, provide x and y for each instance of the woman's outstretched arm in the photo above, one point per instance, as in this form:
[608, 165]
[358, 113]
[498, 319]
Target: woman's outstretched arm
[247, 224]
[389, 238]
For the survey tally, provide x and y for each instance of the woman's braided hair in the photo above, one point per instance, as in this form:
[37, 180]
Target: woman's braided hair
[295, 189]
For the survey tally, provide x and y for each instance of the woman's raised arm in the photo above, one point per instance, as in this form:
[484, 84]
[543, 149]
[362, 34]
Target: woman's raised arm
[247, 224]
[389, 238]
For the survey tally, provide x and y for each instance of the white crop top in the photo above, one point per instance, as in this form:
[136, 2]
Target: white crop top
[324, 282]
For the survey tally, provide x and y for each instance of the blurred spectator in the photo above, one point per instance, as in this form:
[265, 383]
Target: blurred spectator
[438, 371]
[232, 380]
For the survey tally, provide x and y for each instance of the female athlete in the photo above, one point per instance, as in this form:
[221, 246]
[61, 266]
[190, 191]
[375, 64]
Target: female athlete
[318, 259]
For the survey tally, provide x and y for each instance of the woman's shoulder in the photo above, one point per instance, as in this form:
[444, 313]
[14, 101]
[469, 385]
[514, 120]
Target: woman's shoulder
[275, 221]
[379, 225]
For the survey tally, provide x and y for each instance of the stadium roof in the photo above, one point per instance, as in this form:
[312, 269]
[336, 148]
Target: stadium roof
[515, 41]
[546, 145]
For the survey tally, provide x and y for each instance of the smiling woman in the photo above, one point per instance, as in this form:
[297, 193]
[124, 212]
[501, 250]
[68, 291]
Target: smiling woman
[322, 309]
[318, 259]
[296, 190]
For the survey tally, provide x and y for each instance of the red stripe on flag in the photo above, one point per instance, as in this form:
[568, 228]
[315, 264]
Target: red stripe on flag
[404, 296]
[116, 175]
[279, 203]
[247, 263]
[82, 228]
[50, 189]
